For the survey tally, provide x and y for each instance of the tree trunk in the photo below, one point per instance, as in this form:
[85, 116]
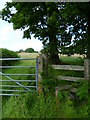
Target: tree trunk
[53, 50]
[88, 50]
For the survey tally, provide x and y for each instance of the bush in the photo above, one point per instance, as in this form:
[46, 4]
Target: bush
[5, 53]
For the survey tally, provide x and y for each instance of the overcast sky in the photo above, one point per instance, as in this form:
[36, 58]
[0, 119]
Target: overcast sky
[12, 39]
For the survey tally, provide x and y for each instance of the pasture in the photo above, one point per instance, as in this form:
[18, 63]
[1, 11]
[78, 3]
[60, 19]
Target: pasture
[28, 55]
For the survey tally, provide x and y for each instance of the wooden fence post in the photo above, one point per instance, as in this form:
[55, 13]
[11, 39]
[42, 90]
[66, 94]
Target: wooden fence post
[40, 63]
[45, 64]
[40, 70]
[87, 69]
[42, 67]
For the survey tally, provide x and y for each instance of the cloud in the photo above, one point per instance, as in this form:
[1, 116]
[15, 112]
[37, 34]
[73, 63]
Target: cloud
[12, 39]
[35, 44]
[5, 32]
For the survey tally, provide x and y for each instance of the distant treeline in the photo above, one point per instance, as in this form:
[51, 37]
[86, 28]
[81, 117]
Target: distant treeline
[29, 50]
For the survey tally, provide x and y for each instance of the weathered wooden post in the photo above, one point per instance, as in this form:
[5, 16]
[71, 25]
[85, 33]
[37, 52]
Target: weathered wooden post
[40, 70]
[45, 64]
[40, 64]
[42, 67]
[87, 69]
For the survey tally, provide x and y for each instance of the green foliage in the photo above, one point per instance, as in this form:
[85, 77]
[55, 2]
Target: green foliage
[69, 109]
[39, 109]
[17, 107]
[21, 50]
[67, 50]
[60, 96]
[29, 105]
[45, 104]
[30, 50]
[50, 81]
[54, 25]
[82, 91]
[44, 51]
[5, 53]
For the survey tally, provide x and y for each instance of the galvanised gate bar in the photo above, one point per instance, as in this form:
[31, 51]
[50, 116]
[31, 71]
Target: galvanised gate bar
[9, 91]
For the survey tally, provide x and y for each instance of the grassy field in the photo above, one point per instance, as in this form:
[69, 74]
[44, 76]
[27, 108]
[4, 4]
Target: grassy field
[72, 60]
[45, 104]
[28, 55]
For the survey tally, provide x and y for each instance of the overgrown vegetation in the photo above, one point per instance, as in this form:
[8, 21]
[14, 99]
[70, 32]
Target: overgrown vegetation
[5, 53]
[64, 106]
[45, 104]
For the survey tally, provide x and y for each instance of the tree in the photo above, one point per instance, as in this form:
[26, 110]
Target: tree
[78, 18]
[67, 50]
[81, 30]
[21, 50]
[40, 19]
[53, 23]
[30, 50]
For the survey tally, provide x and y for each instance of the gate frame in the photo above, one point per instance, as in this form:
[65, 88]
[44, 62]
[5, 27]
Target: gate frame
[17, 81]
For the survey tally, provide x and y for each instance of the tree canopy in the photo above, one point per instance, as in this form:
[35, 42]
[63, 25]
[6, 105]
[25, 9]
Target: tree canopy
[79, 20]
[54, 23]
[30, 50]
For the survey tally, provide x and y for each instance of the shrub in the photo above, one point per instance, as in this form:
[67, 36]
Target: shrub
[8, 54]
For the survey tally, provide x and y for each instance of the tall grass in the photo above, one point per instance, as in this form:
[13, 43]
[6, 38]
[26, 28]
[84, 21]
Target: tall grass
[45, 104]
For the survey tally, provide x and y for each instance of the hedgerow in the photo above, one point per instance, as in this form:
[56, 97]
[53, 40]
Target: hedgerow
[5, 53]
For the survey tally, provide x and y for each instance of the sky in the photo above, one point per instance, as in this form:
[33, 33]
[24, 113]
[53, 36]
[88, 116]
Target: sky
[13, 39]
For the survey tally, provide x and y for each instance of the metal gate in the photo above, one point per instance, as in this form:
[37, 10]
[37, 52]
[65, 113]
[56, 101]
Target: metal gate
[19, 87]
